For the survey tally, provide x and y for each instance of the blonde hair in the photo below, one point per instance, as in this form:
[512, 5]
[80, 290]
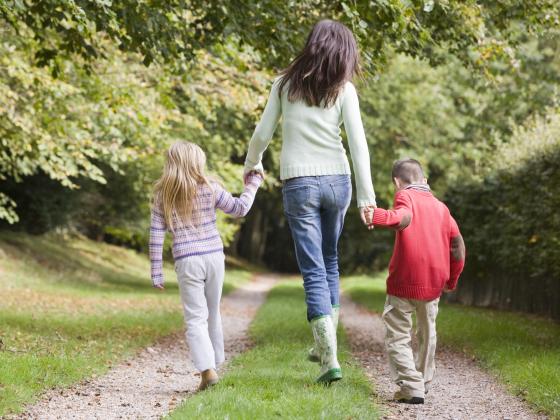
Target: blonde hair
[175, 191]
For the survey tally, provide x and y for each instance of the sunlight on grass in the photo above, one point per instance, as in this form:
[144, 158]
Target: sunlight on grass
[523, 350]
[71, 307]
[275, 380]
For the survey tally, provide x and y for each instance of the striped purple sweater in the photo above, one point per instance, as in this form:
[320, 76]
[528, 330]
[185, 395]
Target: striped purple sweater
[203, 236]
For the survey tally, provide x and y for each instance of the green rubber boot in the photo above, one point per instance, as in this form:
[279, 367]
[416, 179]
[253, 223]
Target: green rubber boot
[325, 342]
[312, 354]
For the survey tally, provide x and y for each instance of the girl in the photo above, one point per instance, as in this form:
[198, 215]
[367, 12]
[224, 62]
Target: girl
[185, 202]
[314, 96]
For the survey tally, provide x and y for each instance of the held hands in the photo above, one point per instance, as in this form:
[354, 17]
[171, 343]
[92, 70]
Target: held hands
[246, 176]
[159, 287]
[366, 214]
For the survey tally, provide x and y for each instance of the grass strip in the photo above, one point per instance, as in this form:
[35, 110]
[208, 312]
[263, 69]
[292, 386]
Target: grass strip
[522, 350]
[274, 379]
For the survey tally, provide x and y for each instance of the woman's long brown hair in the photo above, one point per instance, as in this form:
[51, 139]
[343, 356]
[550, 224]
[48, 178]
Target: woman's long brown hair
[329, 59]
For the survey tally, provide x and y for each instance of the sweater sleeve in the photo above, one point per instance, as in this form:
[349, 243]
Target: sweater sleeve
[398, 218]
[264, 130]
[157, 236]
[458, 254]
[238, 206]
[358, 146]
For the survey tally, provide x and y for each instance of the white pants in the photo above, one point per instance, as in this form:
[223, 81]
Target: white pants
[412, 373]
[200, 281]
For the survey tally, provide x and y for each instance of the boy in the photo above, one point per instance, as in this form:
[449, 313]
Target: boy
[428, 257]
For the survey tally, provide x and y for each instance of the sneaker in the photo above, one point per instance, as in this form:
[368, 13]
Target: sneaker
[402, 398]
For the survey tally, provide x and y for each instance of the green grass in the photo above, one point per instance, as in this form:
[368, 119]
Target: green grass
[273, 380]
[522, 350]
[71, 307]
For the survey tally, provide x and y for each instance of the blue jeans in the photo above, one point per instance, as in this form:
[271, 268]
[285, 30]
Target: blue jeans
[315, 207]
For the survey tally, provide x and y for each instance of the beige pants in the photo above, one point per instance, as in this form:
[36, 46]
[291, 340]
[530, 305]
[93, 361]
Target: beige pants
[411, 372]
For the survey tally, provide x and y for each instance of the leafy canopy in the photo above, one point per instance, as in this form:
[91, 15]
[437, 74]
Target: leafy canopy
[173, 30]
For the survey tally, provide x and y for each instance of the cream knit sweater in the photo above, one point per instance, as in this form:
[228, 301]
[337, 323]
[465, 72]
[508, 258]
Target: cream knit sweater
[311, 141]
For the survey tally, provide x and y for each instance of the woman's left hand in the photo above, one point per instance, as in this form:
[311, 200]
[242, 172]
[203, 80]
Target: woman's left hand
[366, 214]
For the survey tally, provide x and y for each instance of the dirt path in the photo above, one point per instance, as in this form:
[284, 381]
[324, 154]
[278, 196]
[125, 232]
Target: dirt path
[151, 384]
[461, 390]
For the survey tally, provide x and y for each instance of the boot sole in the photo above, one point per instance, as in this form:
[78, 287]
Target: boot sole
[330, 376]
[413, 400]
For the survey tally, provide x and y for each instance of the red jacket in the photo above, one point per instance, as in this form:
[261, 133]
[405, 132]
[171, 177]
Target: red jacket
[429, 251]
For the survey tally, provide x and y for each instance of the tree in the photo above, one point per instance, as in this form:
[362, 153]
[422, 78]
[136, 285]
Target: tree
[112, 125]
[64, 126]
[447, 116]
[172, 31]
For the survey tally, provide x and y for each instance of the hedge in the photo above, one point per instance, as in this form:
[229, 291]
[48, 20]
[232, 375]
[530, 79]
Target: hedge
[510, 219]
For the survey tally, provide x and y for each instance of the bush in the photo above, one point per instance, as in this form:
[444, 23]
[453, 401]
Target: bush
[511, 224]
[124, 237]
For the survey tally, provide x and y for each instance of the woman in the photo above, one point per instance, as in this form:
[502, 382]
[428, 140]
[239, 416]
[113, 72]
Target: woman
[314, 96]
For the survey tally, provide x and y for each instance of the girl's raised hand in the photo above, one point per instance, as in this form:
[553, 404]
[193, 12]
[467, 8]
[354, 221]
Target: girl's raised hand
[251, 173]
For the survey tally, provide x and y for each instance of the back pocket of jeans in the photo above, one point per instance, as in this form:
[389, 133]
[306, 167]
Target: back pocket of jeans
[296, 199]
[342, 193]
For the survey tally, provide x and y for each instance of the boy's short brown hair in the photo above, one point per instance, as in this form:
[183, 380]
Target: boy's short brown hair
[408, 170]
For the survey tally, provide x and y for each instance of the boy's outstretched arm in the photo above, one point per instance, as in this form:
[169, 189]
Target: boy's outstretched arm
[457, 257]
[239, 206]
[399, 217]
